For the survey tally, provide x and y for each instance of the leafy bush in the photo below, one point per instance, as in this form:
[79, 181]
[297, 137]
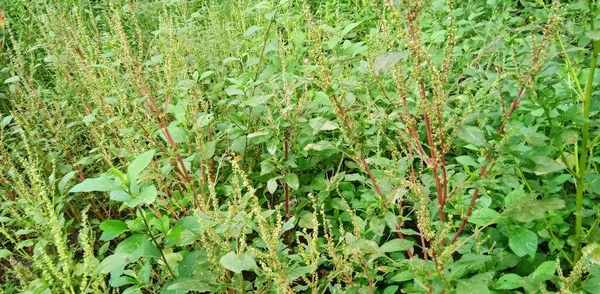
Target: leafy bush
[344, 146]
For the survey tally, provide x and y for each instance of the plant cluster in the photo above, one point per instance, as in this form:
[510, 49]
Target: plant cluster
[345, 146]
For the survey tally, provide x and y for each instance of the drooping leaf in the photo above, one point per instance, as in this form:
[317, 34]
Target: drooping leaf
[100, 184]
[292, 180]
[115, 261]
[272, 185]
[5, 253]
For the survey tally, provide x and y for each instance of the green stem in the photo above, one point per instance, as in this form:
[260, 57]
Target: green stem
[160, 249]
[585, 133]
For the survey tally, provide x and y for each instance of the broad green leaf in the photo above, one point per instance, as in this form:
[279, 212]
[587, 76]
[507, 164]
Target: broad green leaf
[292, 180]
[139, 164]
[112, 228]
[190, 284]
[296, 272]
[119, 195]
[523, 242]
[362, 246]
[544, 271]
[472, 135]
[5, 253]
[319, 146]
[476, 284]
[289, 224]
[509, 282]
[138, 245]
[484, 216]
[594, 35]
[391, 290]
[396, 245]
[466, 160]
[527, 209]
[146, 196]
[12, 79]
[350, 27]
[251, 30]
[403, 276]
[100, 184]
[591, 285]
[115, 261]
[272, 185]
[545, 165]
[62, 184]
[237, 264]
[306, 219]
[386, 61]
[513, 196]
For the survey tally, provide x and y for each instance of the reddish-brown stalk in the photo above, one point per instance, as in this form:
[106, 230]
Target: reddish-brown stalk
[484, 167]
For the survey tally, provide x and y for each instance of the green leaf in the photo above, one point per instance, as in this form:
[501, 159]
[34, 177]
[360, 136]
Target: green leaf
[138, 245]
[139, 164]
[396, 245]
[361, 246]
[545, 165]
[306, 219]
[403, 276]
[292, 180]
[190, 284]
[386, 61]
[272, 185]
[472, 135]
[119, 195]
[390, 290]
[115, 261]
[237, 264]
[509, 282]
[513, 196]
[100, 184]
[544, 271]
[5, 253]
[476, 284]
[523, 242]
[466, 160]
[62, 184]
[12, 79]
[527, 209]
[591, 285]
[112, 228]
[350, 27]
[594, 35]
[484, 216]
[146, 196]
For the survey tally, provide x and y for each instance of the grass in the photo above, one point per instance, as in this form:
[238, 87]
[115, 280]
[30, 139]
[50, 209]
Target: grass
[340, 146]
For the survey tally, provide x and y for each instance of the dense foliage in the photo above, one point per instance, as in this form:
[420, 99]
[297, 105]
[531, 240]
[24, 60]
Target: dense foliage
[343, 146]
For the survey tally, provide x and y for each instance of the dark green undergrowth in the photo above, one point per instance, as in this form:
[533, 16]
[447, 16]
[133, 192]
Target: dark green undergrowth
[346, 146]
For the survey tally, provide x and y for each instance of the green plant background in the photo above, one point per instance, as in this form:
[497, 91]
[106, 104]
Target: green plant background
[346, 146]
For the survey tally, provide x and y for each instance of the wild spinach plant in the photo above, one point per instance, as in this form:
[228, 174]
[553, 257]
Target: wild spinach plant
[345, 146]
